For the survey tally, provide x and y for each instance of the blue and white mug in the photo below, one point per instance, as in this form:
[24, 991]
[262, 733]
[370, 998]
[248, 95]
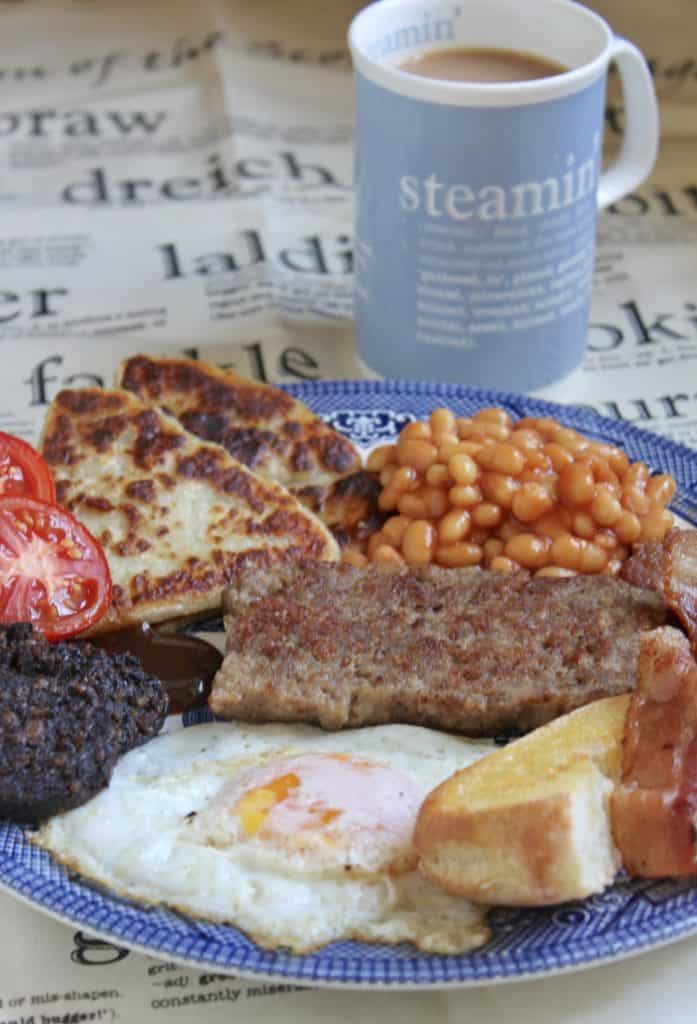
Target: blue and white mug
[477, 203]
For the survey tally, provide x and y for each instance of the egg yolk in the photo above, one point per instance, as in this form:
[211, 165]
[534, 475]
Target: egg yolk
[323, 811]
[254, 805]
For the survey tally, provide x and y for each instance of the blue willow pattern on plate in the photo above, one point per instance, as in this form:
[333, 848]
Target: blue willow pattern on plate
[634, 915]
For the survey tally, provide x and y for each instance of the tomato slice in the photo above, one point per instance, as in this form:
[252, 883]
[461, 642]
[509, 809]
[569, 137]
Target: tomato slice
[53, 572]
[23, 472]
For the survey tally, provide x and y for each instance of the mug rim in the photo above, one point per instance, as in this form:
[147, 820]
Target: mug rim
[456, 93]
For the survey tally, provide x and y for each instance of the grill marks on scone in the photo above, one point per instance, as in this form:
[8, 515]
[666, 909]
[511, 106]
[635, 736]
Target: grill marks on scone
[466, 650]
[270, 432]
[261, 426]
[175, 515]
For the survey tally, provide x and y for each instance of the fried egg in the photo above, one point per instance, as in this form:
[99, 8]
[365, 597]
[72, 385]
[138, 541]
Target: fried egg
[296, 836]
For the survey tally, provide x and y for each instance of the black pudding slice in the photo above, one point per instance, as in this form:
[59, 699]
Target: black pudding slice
[68, 712]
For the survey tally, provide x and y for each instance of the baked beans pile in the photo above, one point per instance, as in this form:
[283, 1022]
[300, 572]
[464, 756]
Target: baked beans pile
[535, 495]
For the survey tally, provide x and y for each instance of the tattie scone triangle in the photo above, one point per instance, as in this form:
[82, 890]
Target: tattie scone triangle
[265, 428]
[269, 431]
[174, 514]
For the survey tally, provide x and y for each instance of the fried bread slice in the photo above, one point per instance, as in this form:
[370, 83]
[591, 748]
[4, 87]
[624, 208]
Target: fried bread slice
[272, 433]
[530, 824]
[174, 514]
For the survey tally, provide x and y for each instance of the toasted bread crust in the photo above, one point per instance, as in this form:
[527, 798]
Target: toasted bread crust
[175, 515]
[506, 829]
[526, 843]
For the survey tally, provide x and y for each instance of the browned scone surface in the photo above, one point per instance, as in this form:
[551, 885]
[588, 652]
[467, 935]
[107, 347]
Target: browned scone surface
[261, 426]
[174, 514]
[466, 650]
[270, 432]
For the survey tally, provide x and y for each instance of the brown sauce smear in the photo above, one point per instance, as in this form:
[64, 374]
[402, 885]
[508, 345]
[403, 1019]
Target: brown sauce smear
[185, 664]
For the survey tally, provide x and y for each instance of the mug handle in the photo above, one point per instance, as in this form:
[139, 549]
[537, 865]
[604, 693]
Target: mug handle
[640, 143]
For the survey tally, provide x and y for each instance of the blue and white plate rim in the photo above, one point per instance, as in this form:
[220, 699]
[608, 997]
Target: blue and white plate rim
[163, 934]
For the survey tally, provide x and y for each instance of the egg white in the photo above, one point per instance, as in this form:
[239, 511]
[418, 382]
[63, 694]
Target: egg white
[158, 834]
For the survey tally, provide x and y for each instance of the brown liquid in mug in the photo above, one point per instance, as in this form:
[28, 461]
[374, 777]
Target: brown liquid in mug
[481, 64]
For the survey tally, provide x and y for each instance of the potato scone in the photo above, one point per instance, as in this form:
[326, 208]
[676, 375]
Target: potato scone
[460, 649]
[529, 824]
[175, 515]
[272, 433]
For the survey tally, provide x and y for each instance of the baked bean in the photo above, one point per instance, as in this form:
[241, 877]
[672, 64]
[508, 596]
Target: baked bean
[459, 555]
[553, 525]
[393, 529]
[656, 524]
[416, 431]
[356, 558]
[418, 542]
[660, 489]
[618, 462]
[582, 524]
[503, 564]
[443, 421]
[493, 415]
[442, 439]
[606, 539]
[498, 488]
[471, 447]
[526, 440]
[411, 506]
[495, 431]
[509, 528]
[555, 572]
[437, 476]
[385, 554]
[487, 514]
[566, 552]
[636, 501]
[531, 502]
[559, 456]
[637, 475]
[544, 425]
[538, 462]
[576, 485]
[379, 457]
[447, 447]
[401, 482]
[627, 528]
[463, 469]
[506, 458]
[605, 507]
[464, 497]
[600, 468]
[574, 443]
[454, 526]
[533, 494]
[593, 559]
[416, 453]
[528, 550]
[493, 547]
[435, 500]
[478, 534]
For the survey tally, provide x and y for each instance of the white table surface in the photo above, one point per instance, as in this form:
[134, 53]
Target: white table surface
[660, 986]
